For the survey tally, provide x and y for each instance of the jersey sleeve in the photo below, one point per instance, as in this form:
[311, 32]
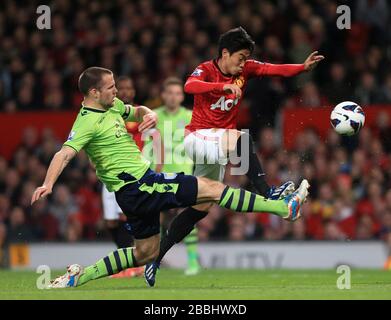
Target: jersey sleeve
[81, 133]
[198, 82]
[127, 111]
[200, 73]
[256, 68]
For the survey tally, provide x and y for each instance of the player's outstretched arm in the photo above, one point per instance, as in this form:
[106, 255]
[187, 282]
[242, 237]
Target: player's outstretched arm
[284, 70]
[57, 165]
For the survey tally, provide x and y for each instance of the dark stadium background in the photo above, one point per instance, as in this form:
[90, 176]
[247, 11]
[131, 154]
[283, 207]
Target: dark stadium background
[150, 40]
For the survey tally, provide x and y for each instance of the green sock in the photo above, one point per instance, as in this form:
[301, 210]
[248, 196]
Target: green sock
[245, 201]
[191, 243]
[115, 262]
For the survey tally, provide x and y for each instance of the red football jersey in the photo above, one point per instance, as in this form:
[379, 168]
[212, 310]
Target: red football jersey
[214, 108]
[132, 128]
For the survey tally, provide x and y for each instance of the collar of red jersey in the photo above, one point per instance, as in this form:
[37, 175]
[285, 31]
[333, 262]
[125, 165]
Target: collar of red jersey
[218, 68]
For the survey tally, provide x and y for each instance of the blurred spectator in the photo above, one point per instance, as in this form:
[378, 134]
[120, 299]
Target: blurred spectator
[367, 92]
[299, 50]
[237, 230]
[338, 88]
[44, 224]
[299, 231]
[309, 96]
[373, 12]
[19, 230]
[63, 207]
[3, 245]
[386, 90]
[332, 231]
[253, 230]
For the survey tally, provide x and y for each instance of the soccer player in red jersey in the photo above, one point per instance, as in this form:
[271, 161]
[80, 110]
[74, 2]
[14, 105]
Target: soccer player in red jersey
[212, 137]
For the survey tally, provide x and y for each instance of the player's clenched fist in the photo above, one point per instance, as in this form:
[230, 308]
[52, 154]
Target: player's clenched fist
[40, 192]
[149, 121]
[234, 89]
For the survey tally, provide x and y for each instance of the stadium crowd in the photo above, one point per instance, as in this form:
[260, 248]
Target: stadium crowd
[150, 40]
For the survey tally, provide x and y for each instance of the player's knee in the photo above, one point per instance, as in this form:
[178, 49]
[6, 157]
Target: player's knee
[209, 190]
[216, 188]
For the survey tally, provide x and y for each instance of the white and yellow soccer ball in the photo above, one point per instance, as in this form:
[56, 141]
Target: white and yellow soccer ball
[347, 118]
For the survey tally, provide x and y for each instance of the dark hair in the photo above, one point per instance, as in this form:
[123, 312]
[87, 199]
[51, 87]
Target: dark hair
[91, 78]
[172, 81]
[235, 40]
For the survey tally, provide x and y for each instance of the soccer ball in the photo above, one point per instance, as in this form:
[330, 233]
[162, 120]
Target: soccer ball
[347, 118]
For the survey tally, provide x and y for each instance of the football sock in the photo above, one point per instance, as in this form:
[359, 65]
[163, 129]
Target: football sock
[191, 243]
[255, 172]
[115, 262]
[180, 227]
[241, 200]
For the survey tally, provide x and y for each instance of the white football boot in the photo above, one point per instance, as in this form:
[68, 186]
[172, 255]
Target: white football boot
[69, 279]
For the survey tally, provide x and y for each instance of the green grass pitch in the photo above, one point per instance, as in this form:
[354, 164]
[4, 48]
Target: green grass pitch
[210, 284]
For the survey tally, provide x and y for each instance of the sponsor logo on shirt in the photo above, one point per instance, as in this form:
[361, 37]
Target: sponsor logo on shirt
[224, 104]
[197, 72]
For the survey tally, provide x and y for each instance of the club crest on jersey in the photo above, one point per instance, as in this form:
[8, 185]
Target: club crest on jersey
[71, 135]
[239, 81]
[197, 72]
[169, 176]
[120, 129]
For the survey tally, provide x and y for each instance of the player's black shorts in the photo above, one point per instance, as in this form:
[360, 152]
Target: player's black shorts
[143, 200]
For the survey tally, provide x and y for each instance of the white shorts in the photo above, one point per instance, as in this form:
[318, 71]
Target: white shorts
[205, 148]
[111, 209]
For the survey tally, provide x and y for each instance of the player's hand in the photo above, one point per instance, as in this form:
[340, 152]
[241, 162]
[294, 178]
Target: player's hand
[234, 89]
[312, 60]
[41, 192]
[149, 121]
